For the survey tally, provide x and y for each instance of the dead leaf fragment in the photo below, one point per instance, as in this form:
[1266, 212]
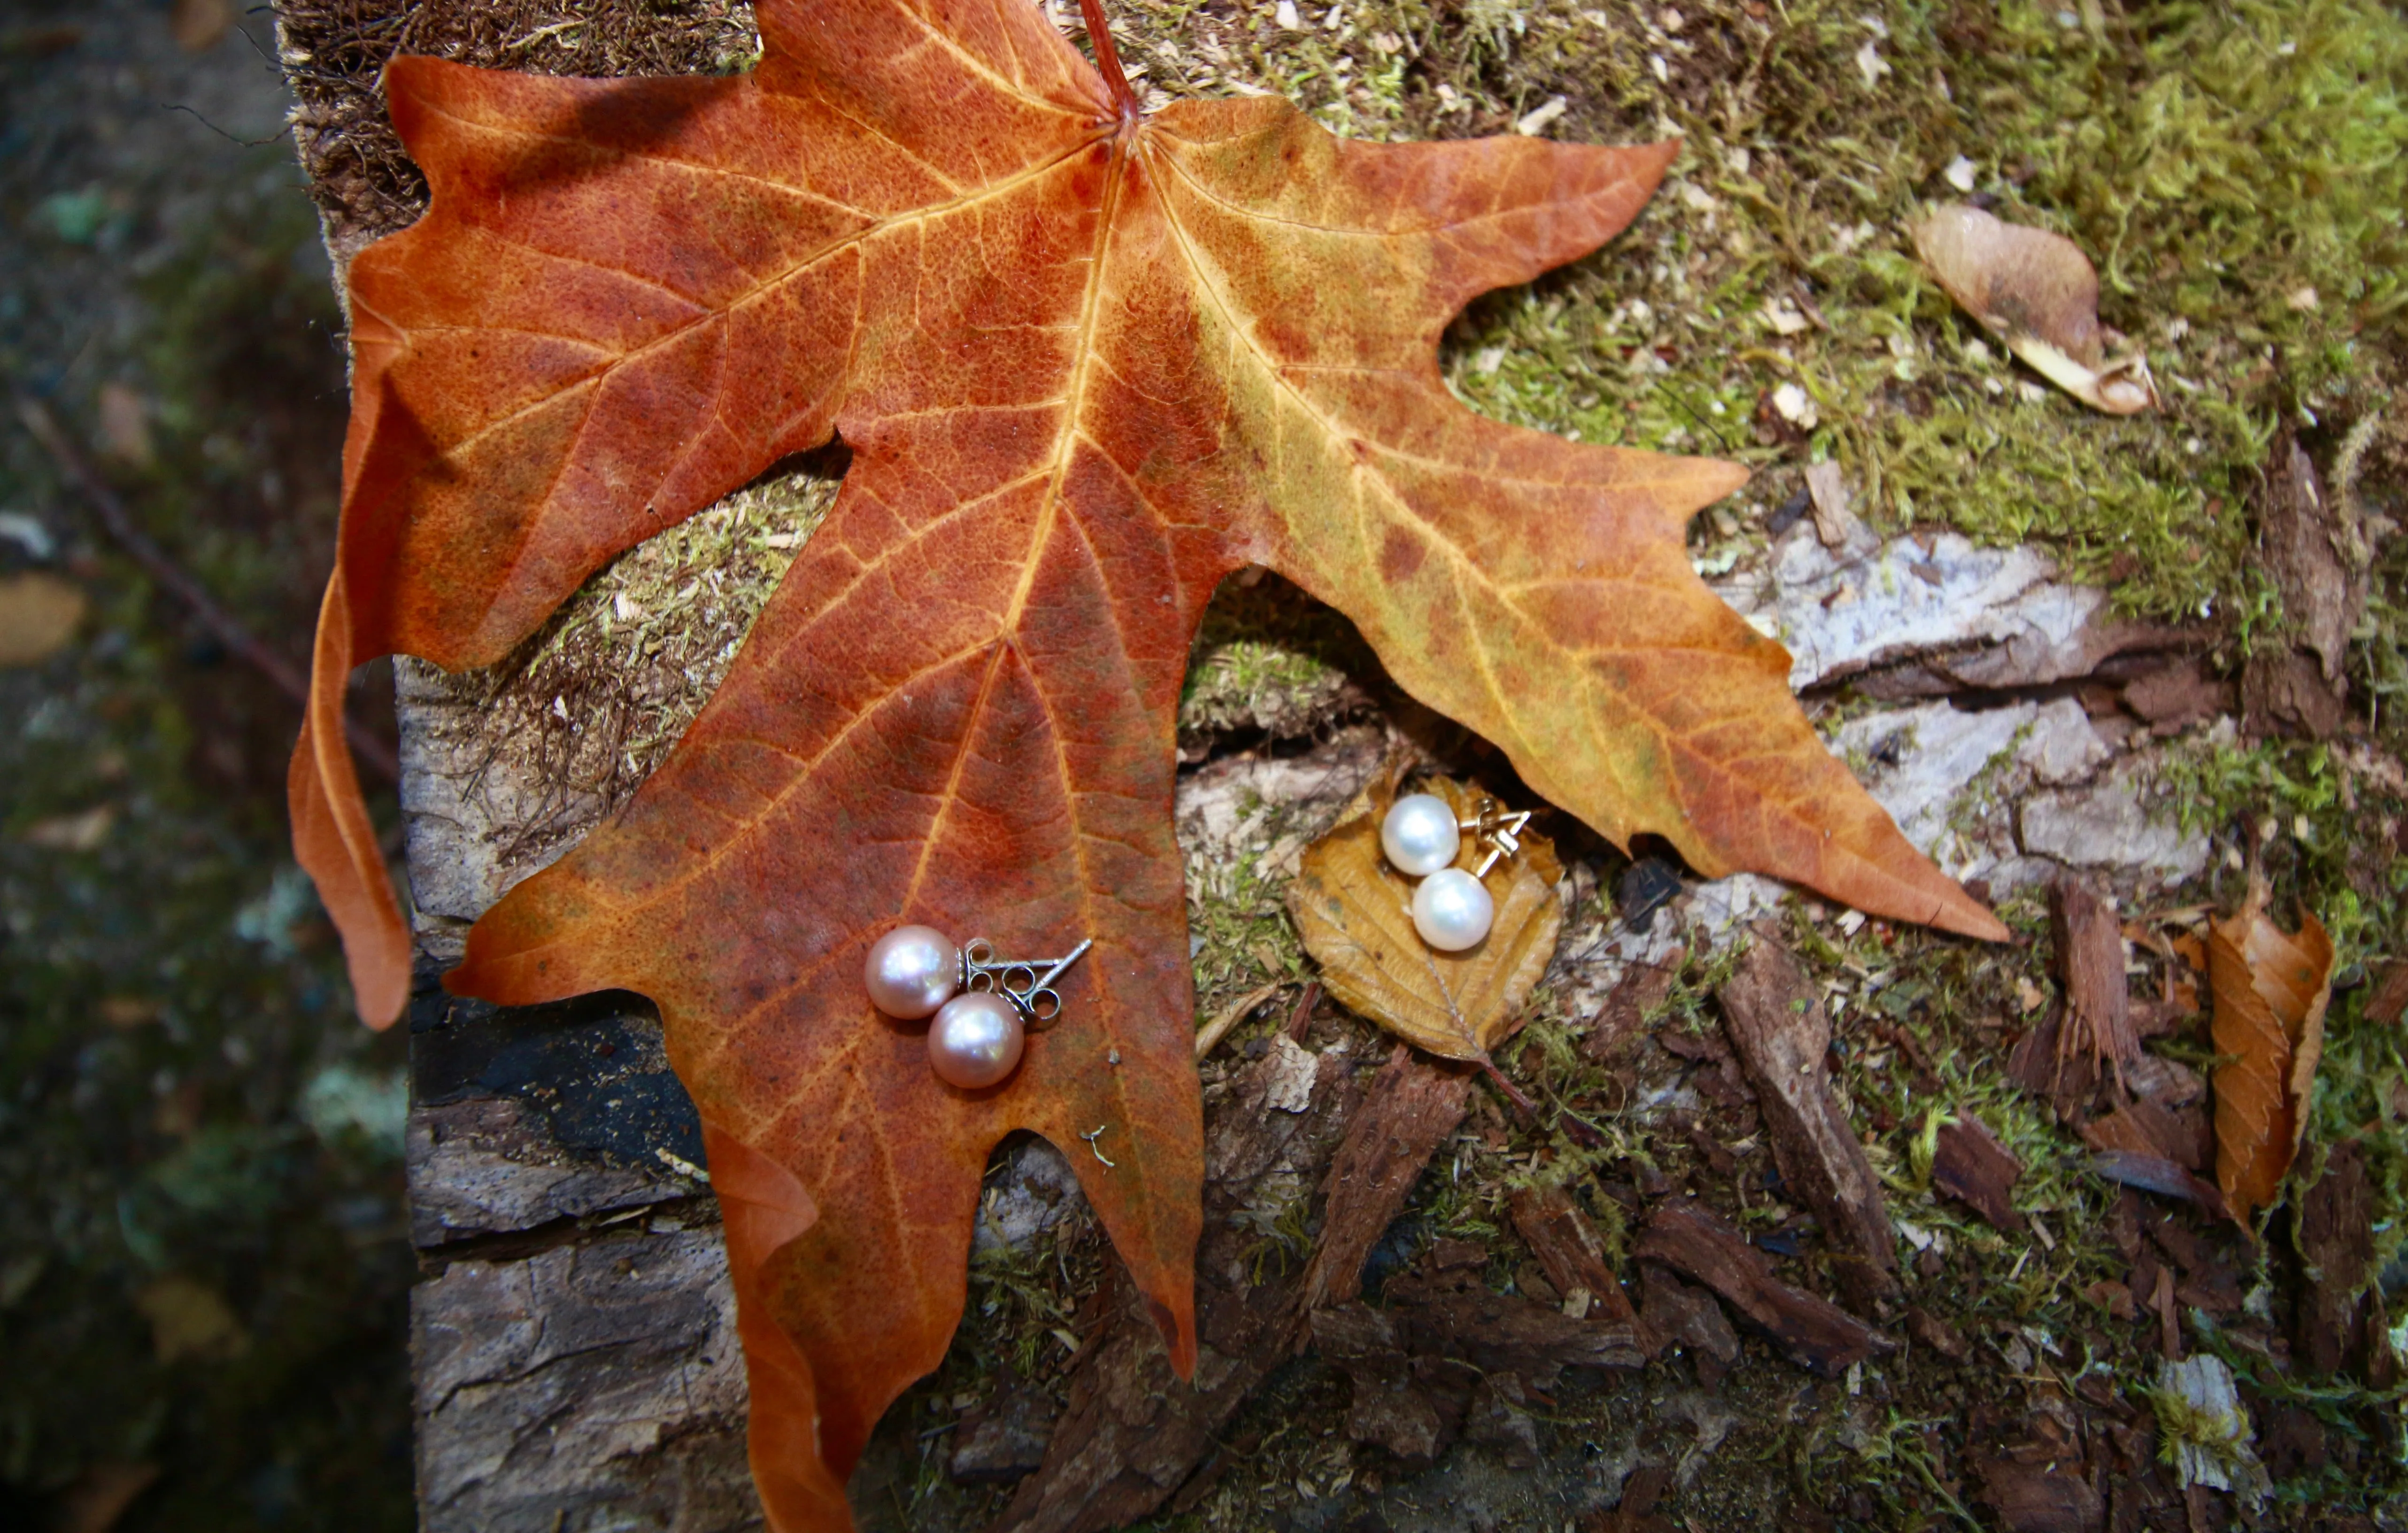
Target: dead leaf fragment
[2271, 991]
[1835, 518]
[124, 414]
[2037, 292]
[81, 832]
[38, 614]
[101, 1494]
[1354, 912]
[190, 1319]
[200, 25]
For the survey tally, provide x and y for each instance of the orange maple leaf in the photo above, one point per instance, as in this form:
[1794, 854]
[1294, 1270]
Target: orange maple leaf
[1088, 362]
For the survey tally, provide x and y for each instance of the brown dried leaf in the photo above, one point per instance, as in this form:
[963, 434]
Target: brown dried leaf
[2037, 292]
[1354, 913]
[2271, 989]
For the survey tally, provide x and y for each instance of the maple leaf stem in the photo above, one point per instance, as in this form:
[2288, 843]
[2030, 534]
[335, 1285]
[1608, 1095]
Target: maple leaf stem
[1107, 58]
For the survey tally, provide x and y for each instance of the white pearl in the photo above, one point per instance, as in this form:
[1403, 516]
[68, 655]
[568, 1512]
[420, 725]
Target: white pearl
[975, 1041]
[1419, 835]
[1451, 910]
[912, 972]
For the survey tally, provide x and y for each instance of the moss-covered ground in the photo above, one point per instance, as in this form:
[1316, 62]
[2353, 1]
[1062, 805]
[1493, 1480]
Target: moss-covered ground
[2237, 174]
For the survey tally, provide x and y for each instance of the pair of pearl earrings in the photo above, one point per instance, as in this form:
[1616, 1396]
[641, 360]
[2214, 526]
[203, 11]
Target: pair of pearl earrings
[985, 1007]
[1421, 839]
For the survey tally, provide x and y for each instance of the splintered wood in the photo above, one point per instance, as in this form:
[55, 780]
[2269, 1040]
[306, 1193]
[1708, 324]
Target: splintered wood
[1969, 1165]
[2095, 1034]
[1570, 1252]
[1780, 1034]
[1413, 1104]
[1817, 1335]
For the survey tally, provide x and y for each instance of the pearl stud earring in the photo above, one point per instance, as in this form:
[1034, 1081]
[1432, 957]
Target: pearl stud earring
[983, 1006]
[1422, 837]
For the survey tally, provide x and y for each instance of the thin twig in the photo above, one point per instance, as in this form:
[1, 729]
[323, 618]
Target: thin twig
[119, 523]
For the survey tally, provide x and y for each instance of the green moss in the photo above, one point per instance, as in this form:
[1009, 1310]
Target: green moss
[2234, 171]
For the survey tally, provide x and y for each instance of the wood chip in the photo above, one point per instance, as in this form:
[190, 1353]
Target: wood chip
[1817, 1335]
[1969, 1165]
[1675, 1313]
[1643, 988]
[2169, 1326]
[1570, 1250]
[2041, 1498]
[1414, 1103]
[1930, 1330]
[2090, 960]
[2316, 555]
[1780, 1032]
[1835, 520]
[2336, 1236]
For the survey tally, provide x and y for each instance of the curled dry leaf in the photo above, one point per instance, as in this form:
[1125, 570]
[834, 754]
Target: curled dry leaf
[2037, 292]
[1354, 912]
[2271, 989]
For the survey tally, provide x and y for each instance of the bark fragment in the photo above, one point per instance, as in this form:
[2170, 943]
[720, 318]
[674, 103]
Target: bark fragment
[1004, 1441]
[1969, 1165]
[2041, 1498]
[2285, 694]
[1444, 1309]
[2337, 1247]
[1780, 1034]
[1623, 1018]
[2090, 956]
[1817, 1335]
[2177, 695]
[1413, 1104]
[2316, 555]
[1573, 1256]
[1674, 1313]
[1447, 1355]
